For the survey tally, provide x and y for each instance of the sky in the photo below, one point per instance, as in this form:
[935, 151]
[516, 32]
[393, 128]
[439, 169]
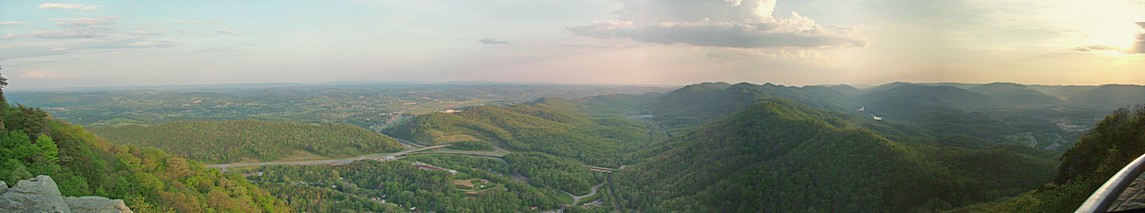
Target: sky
[57, 44]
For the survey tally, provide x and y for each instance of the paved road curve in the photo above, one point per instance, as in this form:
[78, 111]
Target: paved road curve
[576, 199]
[340, 161]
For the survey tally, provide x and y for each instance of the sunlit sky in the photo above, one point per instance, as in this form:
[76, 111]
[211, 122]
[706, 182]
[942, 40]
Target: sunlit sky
[51, 44]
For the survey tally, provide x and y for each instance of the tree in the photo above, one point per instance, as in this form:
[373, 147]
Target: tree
[4, 101]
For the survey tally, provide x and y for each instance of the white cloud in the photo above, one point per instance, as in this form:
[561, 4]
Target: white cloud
[133, 44]
[67, 6]
[10, 23]
[193, 21]
[144, 33]
[1139, 45]
[227, 32]
[733, 23]
[83, 33]
[492, 41]
[40, 74]
[1097, 48]
[85, 22]
[805, 56]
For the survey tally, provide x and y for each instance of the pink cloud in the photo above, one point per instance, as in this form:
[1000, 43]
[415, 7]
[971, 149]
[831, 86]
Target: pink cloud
[40, 74]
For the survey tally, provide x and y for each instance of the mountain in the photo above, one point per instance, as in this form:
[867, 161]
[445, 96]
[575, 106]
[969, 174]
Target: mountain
[549, 125]
[779, 155]
[947, 95]
[1109, 97]
[247, 140]
[1061, 92]
[885, 87]
[1097, 156]
[847, 90]
[1015, 94]
[698, 104]
[551, 139]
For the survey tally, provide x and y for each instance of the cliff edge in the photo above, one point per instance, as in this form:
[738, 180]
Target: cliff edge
[40, 194]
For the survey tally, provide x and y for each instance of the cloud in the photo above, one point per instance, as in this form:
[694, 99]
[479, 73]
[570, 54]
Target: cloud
[133, 44]
[193, 21]
[733, 23]
[144, 33]
[492, 41]
[10, 23]
[84, 22]
[40, 74]
[67, 6]
[805, 56]
[73, 46]
[227, 32]
[83, 33]
[1139, 45]
[1097, 48]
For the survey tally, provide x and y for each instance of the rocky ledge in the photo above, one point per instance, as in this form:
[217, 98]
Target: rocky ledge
[40, 194]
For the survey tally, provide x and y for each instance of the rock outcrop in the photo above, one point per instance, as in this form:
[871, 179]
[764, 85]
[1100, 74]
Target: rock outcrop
[40, 194]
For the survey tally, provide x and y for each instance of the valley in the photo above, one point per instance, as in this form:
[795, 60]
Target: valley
[587, 106]
[694, 148]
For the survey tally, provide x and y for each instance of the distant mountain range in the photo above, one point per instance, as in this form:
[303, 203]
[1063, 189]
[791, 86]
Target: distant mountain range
[747, 147]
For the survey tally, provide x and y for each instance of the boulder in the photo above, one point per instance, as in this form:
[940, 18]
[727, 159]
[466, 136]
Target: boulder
[95, 204]
[40, 194]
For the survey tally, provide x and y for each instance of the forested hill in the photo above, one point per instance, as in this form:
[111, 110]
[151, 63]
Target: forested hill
[148, 180]
[697, 104]
[1016, 94]
[1102, 152]
[549, 125]
[1109, 97]
[778, 155]
[250, 140]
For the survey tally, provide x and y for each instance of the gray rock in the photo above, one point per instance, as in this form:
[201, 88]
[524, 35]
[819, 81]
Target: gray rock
[96, 204]
[40, 194]
[35, 195]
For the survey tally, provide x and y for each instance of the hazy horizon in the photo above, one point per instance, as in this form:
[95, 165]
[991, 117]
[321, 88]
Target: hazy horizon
[78, 44]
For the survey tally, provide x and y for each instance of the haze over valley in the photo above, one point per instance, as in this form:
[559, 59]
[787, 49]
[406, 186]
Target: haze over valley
[554, 106]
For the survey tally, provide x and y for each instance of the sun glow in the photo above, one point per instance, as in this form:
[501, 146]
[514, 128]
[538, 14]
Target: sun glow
[1117, 27]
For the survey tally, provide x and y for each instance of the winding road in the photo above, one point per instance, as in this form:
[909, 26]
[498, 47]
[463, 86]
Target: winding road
[340, 161]
[576, 199]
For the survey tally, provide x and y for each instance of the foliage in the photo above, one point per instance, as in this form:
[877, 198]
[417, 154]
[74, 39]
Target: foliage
[148, 180]
[358, 187]
[1101, 153]
[549, 125]
[231, 141]
[471, 145]
[547, 170]
[782, 156]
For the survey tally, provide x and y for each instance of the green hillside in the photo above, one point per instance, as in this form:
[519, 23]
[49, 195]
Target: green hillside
[1109, 97]
[949, 95]
[698, 104]
[552, 126]
[1015, 94]
[148, 180]
[373, 186]
[781, 156]
[1103, 151]
[246, 140]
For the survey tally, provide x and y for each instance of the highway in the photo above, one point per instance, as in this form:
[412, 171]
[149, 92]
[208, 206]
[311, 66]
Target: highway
[340, 161]
[576, 199]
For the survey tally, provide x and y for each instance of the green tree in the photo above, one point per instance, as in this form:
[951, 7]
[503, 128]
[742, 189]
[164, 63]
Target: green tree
[4, 101]
[50, 153]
